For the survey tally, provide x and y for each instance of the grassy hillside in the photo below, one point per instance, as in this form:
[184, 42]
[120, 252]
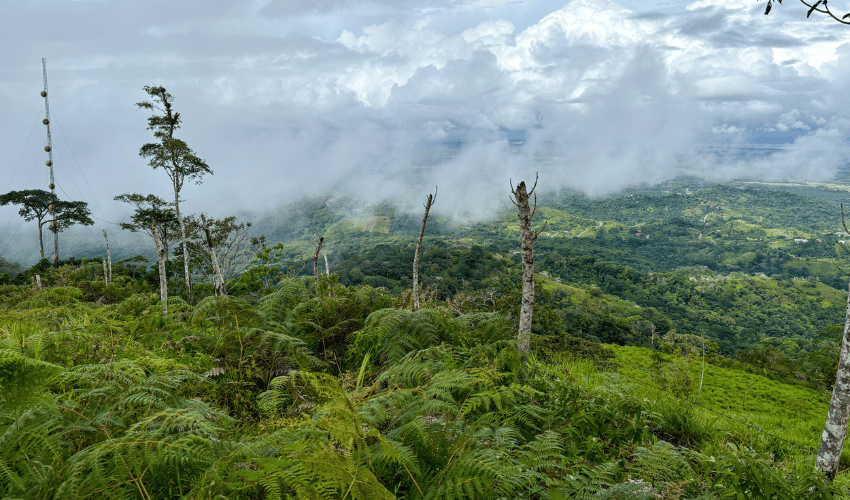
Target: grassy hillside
[751, 401]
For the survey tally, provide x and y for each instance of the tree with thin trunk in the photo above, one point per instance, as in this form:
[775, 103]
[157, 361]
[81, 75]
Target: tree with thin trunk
[835, 428]
[527, 239]
[157, 218]
[172, 155]
[428, 203]
[35, 205]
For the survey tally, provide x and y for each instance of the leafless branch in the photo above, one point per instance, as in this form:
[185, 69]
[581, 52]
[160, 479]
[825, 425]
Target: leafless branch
[536, 176]
[818, 6]
[431, 199]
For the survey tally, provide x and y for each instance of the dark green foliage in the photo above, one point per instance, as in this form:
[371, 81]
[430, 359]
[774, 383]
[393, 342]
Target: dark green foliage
[171, 154]
[390, 334]
[328, 319]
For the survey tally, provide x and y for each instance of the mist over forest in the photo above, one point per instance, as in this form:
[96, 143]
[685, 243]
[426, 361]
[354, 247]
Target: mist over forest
[382, 101]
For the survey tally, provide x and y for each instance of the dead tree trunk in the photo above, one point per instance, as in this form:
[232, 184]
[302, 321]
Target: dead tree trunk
[219, 278]
[316, 258]
[527, 238]
[835, 428]
[418, 252]
[108, 258]
[105, 274]
[160, 260]
[327, 267]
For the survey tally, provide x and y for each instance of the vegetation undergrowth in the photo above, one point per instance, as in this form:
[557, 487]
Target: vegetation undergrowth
[333, 387]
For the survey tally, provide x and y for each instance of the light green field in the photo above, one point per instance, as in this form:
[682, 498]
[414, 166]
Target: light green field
[752, 402]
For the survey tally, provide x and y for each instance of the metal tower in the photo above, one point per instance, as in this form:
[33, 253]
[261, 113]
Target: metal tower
[54, 226]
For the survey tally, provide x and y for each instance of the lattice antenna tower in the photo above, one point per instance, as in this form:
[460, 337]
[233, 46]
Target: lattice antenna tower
[54, 225]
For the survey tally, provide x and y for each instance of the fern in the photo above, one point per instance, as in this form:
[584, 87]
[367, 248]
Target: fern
[22, 381]
[226, 312]
[661, 462]
[159, 452]
[53, 296]
[100, 401]
[584, 482]
[278, 306]
[30, 452]
[324, 456]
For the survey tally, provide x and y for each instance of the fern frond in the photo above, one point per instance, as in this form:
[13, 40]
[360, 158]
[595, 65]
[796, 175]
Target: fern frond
[167, 445]
[660, 462]
[584, 482]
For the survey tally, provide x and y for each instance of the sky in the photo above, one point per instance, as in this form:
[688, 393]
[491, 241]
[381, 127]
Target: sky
[385, 99]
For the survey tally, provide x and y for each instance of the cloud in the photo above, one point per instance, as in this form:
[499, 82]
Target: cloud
[387, 98]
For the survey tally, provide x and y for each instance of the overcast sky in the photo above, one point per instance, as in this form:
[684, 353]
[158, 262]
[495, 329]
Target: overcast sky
[387, 98]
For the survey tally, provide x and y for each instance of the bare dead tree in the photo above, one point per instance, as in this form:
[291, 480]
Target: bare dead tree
[819, 6]
[327, 267]
[428, 204]
[835, 428]
[219, 277]
[228, 240]
[108, 257]
[527, 239]
[316, 258]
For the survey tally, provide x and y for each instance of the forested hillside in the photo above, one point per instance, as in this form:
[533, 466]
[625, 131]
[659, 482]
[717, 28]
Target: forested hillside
[684, 346]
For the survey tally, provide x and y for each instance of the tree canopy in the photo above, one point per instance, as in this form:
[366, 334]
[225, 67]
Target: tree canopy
[171, 154]
[152, 214]
[35, 205]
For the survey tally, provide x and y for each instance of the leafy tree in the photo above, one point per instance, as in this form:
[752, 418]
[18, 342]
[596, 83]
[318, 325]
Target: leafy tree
[156, 218]
[172, 155]
[35, 205]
